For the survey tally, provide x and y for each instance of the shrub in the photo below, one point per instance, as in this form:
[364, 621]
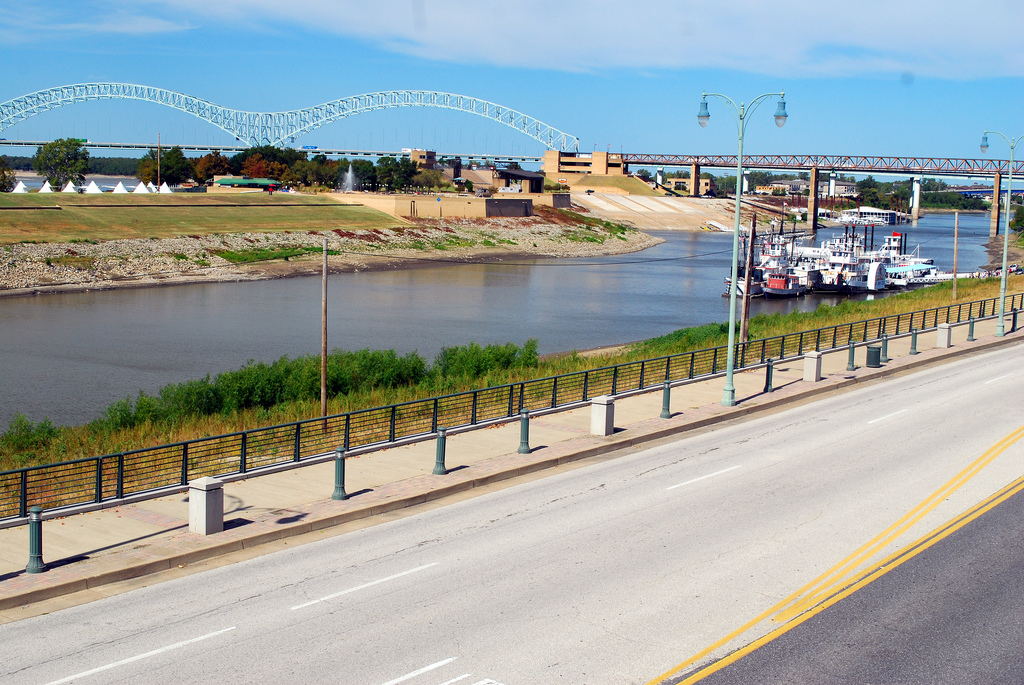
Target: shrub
[23, 435]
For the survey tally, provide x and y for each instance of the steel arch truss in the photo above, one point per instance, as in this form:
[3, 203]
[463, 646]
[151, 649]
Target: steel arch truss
[279, 128]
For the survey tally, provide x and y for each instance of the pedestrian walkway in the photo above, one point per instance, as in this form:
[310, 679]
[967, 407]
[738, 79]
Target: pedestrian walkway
[96, 549]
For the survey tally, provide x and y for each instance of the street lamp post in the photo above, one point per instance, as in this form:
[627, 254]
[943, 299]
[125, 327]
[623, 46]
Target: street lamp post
[1000, 326]
[741, 112]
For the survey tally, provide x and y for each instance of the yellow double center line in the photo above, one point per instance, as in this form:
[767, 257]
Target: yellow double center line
[844, 578]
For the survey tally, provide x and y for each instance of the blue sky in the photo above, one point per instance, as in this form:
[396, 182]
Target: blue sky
[913, 78]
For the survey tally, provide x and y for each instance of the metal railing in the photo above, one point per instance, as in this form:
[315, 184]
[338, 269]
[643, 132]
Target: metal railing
[131, 474]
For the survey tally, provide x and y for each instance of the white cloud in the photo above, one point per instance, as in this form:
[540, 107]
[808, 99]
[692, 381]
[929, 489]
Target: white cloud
[800, 38]
[40, 21]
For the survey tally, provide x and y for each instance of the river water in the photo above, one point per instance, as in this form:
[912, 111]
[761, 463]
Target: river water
[68, 356]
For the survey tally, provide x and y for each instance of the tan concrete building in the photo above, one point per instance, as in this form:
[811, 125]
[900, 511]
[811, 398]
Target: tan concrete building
[682, 185]
[597, 163]
[440, 206]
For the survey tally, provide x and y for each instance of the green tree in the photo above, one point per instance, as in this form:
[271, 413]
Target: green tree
[7, 178]
[1017, 223]
[62, 161]
[395, 173]
[172, 168]
[365, 173]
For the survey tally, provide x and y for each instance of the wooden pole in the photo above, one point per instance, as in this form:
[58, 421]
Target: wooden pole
[956, 239]
[323, 338]
[745, 315]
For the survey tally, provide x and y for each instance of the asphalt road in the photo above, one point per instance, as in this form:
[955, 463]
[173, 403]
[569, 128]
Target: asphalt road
[612, 573]
[952, 614]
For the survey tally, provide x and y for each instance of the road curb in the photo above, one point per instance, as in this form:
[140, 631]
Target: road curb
[638, 434]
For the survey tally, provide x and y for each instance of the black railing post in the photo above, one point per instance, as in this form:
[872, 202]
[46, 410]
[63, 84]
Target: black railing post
[690, 375]
[473, 417]
[800, 345]
[394, 416]
[643, 368]
[586, 386]
[522, 396]
[23, 495]
[433, 419]
[184, 464]
[99, 480]
[348, 425]
[243, 457]
[554, 392]
[714, 362]
[120, 476]
[615, 380]
[817, 341]
[298, 442]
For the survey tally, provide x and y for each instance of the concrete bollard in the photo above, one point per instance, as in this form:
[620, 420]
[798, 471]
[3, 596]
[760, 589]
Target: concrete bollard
[35, 541]
[602, 415]
[913, 341]
[970, 330]
[943, 336]
[812, 367]
[206, 506]
[524, 432]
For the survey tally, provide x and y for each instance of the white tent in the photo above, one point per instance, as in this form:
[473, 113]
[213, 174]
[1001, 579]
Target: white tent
[69, 188]
[119, 189]
[152, 188]
[140, 189]
[165, 189]
[20, 188]
[47, 188]
[92, 188]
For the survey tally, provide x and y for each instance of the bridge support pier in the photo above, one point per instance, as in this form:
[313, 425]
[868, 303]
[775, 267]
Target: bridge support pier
[695, 180]
[997, 207]
[915, 212]
[812, 202]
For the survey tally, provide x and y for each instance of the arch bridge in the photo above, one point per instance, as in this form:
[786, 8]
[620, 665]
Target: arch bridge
[280, 128]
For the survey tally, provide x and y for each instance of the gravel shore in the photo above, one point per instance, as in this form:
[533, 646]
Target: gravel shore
[32, 268]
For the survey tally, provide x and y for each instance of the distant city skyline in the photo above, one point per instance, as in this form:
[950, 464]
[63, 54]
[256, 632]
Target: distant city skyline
[923, 78]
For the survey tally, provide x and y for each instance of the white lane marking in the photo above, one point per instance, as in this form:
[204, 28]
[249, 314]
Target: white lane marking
[710, 475]
[455, 680]
[421, 671]
[887, 416]
[129, 660]
[998, 378]
[364, 586]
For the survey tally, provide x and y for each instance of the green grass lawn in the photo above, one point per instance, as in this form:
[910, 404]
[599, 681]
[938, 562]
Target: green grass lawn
[32, 217]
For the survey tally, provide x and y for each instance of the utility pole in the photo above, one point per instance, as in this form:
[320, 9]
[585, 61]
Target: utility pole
[956, 239]
[323, 338]
[158, 160]
[745, 314]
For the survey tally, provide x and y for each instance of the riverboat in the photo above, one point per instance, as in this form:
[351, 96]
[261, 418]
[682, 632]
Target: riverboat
[783, 284]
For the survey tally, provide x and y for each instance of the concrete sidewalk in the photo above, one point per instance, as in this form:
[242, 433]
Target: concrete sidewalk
[98, 551]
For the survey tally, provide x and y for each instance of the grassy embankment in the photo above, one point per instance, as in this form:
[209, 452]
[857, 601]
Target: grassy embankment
[370, 379]
[83, 218]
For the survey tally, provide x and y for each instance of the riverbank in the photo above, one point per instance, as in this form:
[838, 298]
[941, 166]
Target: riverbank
[26, 443]
[30, 268]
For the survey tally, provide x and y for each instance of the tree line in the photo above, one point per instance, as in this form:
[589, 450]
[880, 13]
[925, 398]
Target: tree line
[68, 160]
